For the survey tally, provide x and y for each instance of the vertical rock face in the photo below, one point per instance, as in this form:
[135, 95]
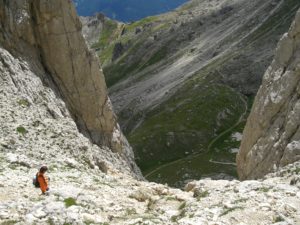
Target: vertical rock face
[272, 135]
[74, 69]
[48, 35]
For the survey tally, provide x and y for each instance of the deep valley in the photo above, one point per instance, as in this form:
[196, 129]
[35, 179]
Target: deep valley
[180, 80]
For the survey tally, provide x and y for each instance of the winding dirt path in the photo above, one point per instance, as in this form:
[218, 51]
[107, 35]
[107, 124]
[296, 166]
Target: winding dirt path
[242, 117]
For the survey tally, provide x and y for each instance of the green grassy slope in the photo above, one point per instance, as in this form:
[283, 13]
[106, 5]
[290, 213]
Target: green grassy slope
[187, 123]
[196, 124]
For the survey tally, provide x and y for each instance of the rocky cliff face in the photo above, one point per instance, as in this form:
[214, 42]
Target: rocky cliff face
[46, 36]
[272, 134]
[91, 27]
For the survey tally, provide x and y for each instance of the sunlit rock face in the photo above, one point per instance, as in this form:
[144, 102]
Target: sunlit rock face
[47, 36]
[272, 135]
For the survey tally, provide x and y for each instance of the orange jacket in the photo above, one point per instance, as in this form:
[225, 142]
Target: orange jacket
[43, 181]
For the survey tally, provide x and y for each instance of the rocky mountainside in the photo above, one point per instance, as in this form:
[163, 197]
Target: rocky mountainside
[182, 83]
[44, 58]
[94, 184]
[272, 134]
[84, 196]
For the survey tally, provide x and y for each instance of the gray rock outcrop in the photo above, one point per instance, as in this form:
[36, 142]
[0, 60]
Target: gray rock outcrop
[91, 27]
[47, 36]
[272, 135]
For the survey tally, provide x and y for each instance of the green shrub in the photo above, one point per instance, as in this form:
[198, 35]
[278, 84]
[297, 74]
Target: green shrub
[226, 211]
[69, 202]
[278, 219]
[9, 222]
[203, 194]
[23, 102]
[182, 206]
[21, 130]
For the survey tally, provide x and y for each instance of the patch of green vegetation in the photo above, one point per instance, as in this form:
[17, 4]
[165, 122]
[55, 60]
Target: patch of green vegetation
[151, 203]
[171, 198]
[278, 219]
[96, 179]
[139, 23]
[203, 194]
[9, 222]
[185, 125]
[130, 211]
[297, 170]
[187, 6]
[186, 122]
[264, 189]
[51, 221]
[21, 130]
[117, 72]
[88, 222]
[156, 57]
[13, 166]
[161, 26]
[240, 200]
[131, 61]
[120, 69]
[24, 102]
[69, 202]
[106, 54]
[107, 34]
[182, 206]
[175, 218]
[225, 212]
[225, 145]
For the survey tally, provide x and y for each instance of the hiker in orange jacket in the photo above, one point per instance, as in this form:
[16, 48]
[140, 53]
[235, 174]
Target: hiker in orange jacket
[43, 180]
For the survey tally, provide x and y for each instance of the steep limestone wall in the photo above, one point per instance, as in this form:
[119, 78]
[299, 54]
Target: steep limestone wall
[47, 35]
[272, 135]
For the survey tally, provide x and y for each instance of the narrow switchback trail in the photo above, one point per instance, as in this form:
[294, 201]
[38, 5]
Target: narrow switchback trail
[201, 164]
